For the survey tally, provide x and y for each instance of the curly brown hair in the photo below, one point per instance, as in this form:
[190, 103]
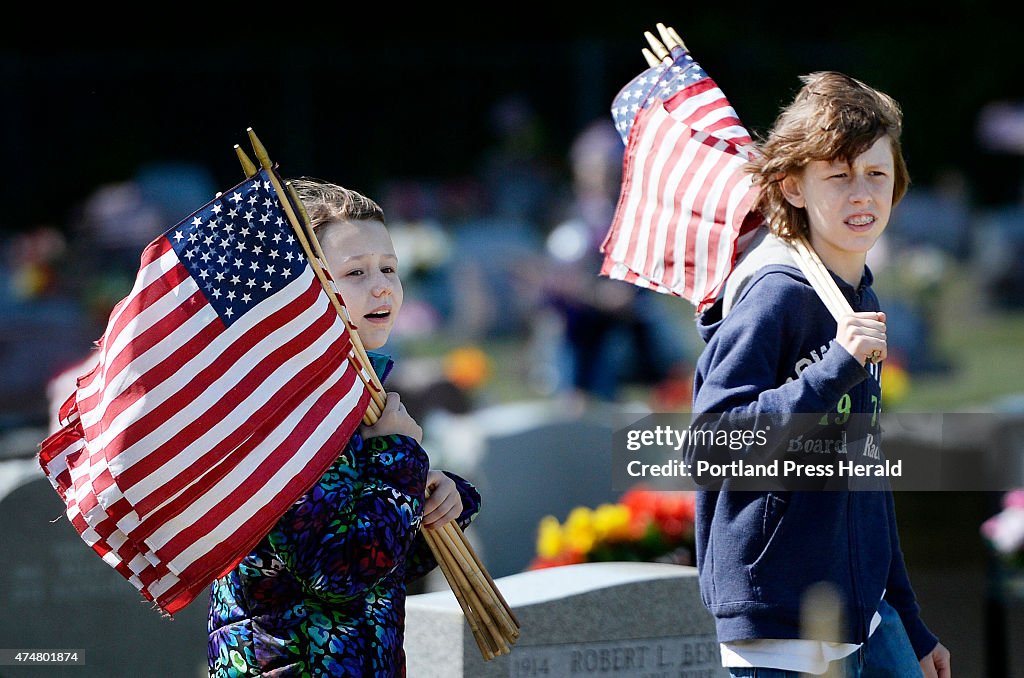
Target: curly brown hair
[326, 202]
[832, 117]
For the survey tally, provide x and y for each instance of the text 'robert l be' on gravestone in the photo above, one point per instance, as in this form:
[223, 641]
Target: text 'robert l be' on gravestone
[592, 619]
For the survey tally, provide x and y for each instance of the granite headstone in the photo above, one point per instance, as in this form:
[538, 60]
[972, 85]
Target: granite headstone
[607, 619]
[548, 467]
[56, 594]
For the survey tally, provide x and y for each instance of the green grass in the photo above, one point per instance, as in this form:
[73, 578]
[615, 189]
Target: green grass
[983, 347]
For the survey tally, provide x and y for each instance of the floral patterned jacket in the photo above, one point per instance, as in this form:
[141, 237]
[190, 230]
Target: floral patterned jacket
[323, 594]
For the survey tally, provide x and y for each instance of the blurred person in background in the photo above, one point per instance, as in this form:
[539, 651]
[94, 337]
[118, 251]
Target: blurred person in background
[612, 334]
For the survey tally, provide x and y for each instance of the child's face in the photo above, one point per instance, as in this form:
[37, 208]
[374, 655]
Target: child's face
[848, 205]
[364, 266]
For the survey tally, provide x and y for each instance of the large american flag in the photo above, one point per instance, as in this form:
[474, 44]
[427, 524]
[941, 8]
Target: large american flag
[684, 210]
[222, 391]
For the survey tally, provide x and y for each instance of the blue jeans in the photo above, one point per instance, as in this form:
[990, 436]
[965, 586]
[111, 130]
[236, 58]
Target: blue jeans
[887, 654]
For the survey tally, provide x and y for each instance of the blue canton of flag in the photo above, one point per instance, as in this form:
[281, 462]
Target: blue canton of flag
[657, 83]
[240, 248]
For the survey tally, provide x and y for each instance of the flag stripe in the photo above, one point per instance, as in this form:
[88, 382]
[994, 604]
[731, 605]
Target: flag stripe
[109, 385]
[167, 500]
[138, 299]
[263, 507]
[660, 203]
[636, 239]
[704, 202]
[145, 486]
[178, 315]
[689, 211]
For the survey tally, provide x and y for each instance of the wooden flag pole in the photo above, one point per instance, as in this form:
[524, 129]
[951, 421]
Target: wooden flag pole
[376, 388]
[820, 279]
[363, 370]
[474, 579]
[497, 641]
[446, 566]
[487, 575]
[247, 166]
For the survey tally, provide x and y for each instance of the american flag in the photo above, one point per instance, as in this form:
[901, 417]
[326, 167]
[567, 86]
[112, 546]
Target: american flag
[683, 213]
[222, 392]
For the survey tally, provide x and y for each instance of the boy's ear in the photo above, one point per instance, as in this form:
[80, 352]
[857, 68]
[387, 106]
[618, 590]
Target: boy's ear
[793, 190]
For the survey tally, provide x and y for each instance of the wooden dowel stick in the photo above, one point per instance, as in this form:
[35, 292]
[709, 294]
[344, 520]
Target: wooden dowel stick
[261, 155]
[468, 612]
[828, 284]
[483, 570]
[247, 165]
[825, 285]
[815, 278]
[473, 567]
[487, 575]
[458, 548]
[376, 388]
[498, 640]
[484, 592]
[821, 279]
[452, 568]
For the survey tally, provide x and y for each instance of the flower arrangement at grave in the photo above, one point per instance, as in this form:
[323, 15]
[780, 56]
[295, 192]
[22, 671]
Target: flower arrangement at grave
[644, 525]
[1004, 531]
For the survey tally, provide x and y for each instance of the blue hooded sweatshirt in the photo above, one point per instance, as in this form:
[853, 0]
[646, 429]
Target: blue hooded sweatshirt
[774, 353]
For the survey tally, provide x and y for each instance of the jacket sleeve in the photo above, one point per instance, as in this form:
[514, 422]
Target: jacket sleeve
[359, 522]
[900, 595]
[421, 558]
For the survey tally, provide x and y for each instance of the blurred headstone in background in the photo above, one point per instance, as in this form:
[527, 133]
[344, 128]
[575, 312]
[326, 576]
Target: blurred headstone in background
[998, 243]
[528, 460]
[57, 594]
[44, 328]
[37, 342]
[935, 217]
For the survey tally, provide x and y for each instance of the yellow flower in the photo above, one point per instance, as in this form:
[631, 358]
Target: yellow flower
[549, 537]
[578, 531]
[611, 522]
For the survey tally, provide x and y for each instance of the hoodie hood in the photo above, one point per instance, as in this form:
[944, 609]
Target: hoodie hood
[766, 253]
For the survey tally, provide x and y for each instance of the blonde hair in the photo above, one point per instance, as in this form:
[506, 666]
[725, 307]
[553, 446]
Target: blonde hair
[832, 117]
[326, 202]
